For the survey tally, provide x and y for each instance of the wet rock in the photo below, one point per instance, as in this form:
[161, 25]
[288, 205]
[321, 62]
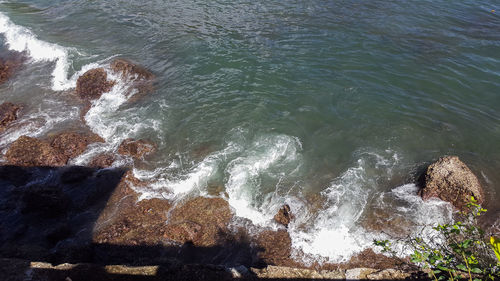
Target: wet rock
[200, 221]
[451, 180]
[284, 216]
[141, 78]
[129, 70]
[8, 66]
[28, 151]
[136, 148]
[93, 83]
[8, 114]
[275, 247]
[72, 144]
[102, 161]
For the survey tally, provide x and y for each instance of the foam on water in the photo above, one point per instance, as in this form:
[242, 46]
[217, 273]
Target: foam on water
[21, 39]
[272, 156]
[39, 122]
[334, 234]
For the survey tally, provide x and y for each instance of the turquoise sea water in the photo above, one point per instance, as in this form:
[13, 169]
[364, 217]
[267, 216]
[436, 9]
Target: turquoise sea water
[279, 101]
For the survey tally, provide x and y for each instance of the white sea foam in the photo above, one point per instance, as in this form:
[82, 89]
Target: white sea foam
[272, 156]
[21, 39]
[39, 122]
[334, 235]
[195, 180]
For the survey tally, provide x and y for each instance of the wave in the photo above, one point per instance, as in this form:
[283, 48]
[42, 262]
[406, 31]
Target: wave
[21, 39]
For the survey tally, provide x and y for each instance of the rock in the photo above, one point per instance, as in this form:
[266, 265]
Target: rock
[73, 144]
[8, 114]
[102, 161]
[290, 273]
[141, 78]
[9, 65]
[18, 176]
[28, 151]
[369, 258]
[201, 221]
[451, 180]
[136, 148]
[358, 273]
[76, 174]
[275, 247]
[284, 216]
[93, 83]
[131, 71]
[388, 274]
[45, 201]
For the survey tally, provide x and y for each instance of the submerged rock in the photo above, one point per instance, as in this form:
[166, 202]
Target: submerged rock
[136, 148]
[28, 151]
[449, 179]
[284, 216]
[8, 114]
[9, 65]
[93, 83]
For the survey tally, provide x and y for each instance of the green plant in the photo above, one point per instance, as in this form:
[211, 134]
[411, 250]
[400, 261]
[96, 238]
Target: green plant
[462, 252]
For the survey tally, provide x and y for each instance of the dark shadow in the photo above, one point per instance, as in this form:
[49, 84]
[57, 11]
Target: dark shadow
[47, 214]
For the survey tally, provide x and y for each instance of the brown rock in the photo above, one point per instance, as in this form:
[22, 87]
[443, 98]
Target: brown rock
[141, 78]
[129, 70]
[284, 216]
[9, 65]
[92, 84]
[102, 161]
[368, 258]
[451, 180]
[136, 148]
[73, 144]
[201, 221]
[28, 151]
[8, 114]
[125, 221]
[275, 247]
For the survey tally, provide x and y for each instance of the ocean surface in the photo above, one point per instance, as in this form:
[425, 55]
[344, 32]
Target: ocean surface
[332, 107]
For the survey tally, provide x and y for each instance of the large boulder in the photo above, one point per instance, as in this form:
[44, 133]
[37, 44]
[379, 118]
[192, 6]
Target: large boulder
[8, 65]
[28, 151]
[93, 83]
[449, 179]
[8, 114]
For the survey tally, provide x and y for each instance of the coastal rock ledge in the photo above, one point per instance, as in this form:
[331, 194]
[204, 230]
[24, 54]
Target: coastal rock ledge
[449, 179]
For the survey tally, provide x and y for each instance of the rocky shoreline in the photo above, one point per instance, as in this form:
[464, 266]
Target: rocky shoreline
[91, 216]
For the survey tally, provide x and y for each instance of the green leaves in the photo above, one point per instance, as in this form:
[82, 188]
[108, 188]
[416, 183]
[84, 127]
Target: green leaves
[463, 254]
